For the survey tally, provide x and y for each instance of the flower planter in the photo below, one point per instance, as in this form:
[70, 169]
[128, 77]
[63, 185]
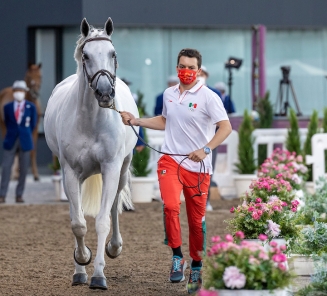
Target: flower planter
[252, 292]
[301, 265]
[142, 189]
[59, 188]
[243, 182]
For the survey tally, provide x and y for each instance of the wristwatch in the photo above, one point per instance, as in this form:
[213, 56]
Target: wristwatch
[206, 150]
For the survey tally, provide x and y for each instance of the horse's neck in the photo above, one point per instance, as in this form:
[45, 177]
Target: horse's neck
[87, 108]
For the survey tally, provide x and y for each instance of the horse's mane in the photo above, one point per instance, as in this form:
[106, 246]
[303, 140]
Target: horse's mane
[81, 39]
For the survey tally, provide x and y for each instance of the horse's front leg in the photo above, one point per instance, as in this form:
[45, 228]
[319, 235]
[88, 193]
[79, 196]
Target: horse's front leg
[115, 245]
[82, 254]
[110, 178]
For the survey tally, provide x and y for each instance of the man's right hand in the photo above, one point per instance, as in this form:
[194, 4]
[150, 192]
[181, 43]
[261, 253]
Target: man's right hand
[126, 116]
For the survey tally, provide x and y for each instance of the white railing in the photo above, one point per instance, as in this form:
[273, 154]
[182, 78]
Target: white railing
[225, 162]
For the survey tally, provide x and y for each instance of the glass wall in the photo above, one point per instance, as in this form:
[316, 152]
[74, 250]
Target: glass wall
[147, 57]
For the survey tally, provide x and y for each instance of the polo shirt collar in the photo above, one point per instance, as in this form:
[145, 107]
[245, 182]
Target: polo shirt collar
[194, 89]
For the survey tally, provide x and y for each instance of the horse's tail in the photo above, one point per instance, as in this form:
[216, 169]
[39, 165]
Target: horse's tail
[92, 191]
[91, 195]
[125, 196]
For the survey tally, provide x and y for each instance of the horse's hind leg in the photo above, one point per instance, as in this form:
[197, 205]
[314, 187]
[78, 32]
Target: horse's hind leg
[115, 245]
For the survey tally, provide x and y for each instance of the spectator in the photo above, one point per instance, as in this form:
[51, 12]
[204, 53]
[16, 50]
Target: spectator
[228, 103]
[203, 79]
[172, 81]
[20, 121]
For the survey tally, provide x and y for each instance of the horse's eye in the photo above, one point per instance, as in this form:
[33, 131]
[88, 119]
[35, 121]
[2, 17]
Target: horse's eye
[85, 56]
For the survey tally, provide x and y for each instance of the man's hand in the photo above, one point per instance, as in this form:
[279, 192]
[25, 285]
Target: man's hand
[126, 116]
[197, 155]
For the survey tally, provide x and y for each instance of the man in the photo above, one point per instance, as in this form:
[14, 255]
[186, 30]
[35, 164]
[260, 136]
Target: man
[20, 120]
[228, 104]
[172, 81]
[190, 115]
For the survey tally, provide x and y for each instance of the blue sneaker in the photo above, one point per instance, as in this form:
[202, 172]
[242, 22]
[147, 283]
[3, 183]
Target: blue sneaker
[177, 270]
[195, 281]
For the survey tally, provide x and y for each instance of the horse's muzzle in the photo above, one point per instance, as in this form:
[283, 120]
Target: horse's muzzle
[105, 100]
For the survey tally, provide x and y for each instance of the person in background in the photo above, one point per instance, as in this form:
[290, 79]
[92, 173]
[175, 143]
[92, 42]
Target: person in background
[171, 81]
[203, 79]
[228, 103]
[20, 120]
[191, 112]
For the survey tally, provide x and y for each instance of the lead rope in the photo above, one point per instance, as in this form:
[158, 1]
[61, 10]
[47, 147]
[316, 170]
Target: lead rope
[202, 165]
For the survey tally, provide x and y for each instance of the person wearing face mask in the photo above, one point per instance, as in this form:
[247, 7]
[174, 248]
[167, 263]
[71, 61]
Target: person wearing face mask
[191, 113]
[20, 121]
[203, 76]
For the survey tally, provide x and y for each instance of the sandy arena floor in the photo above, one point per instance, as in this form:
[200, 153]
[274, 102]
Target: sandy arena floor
[36, 251]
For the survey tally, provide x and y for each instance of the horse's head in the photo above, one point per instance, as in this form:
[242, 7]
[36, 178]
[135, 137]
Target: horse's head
[33, 79]
[98, 57]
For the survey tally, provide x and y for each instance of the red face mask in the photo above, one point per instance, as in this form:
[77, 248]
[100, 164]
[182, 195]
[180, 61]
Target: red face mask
[186, 76]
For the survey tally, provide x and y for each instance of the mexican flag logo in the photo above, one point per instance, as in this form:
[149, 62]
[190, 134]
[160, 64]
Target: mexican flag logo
[192, 105]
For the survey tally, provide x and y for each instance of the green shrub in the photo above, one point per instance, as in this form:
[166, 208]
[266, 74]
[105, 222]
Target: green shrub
[246, 164]
[140, 161]
[312, 129]
[293, 143]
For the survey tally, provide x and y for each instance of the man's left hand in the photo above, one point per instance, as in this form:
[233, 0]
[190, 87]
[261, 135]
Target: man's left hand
[197, 155]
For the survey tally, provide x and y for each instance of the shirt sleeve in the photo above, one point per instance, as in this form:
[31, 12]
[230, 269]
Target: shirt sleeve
[215, 108]
[164, 109]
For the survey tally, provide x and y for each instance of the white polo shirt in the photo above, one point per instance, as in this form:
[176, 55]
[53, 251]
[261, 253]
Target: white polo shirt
[191, 119]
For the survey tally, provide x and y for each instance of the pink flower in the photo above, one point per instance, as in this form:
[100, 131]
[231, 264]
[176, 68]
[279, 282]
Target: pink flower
[279, 257]
[233, 278]
[215, 239]
[240, 235]
[256, 216]
[263, 256]
[258, 200]
[229, 238]
[203, 292]
[263, 237]
[282, 248]
[251, 209]
[282, 266]
[232, 210]
[273, 244]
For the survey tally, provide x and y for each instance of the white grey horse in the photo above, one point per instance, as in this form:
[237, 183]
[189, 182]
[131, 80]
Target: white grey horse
[93, 145]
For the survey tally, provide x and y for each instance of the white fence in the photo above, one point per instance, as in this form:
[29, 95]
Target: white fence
[225, 163]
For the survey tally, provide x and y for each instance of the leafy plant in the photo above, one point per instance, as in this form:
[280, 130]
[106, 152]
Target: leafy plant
[140, 104]
[275, 218]
[55, 165]
[245, 265]
[266, 112]
[293, 142]
[140, 161]
[312, 129]
[246, 164]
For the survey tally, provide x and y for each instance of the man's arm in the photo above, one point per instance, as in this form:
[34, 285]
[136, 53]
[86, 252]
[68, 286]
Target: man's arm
[224, 129]
[156, 123]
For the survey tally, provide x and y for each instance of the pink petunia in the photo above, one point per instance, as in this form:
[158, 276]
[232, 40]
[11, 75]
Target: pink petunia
[229, 238]
[240, 234]
[203, 292]
[232, 210]
[262, 237]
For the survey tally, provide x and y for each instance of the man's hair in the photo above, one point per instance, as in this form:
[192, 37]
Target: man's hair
[191, 53]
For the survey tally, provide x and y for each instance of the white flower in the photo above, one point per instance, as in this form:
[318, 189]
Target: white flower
[273, 228]
[233, 278]
[273, 198]
[296, 179]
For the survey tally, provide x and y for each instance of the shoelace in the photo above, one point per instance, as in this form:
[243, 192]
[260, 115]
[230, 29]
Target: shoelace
[195, 274]
[176, 264]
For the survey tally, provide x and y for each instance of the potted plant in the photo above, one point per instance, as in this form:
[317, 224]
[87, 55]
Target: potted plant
[266, 117]
[245, 268]
[312, 129]
[246, 165]
[142, 184]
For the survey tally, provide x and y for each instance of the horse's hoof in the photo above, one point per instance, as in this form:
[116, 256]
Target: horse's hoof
[108, 247]
[98, 282]
[36, 178]
[79, 279]
[86, 263]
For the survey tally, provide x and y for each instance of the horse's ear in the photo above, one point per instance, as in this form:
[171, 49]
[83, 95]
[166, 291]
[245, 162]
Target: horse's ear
[40, 65]
[85, 27]
[109, 26]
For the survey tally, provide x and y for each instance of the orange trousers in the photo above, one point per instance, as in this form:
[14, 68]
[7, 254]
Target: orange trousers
[171, 188]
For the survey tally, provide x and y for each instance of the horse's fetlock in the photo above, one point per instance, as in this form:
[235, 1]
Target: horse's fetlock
[78, 229]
